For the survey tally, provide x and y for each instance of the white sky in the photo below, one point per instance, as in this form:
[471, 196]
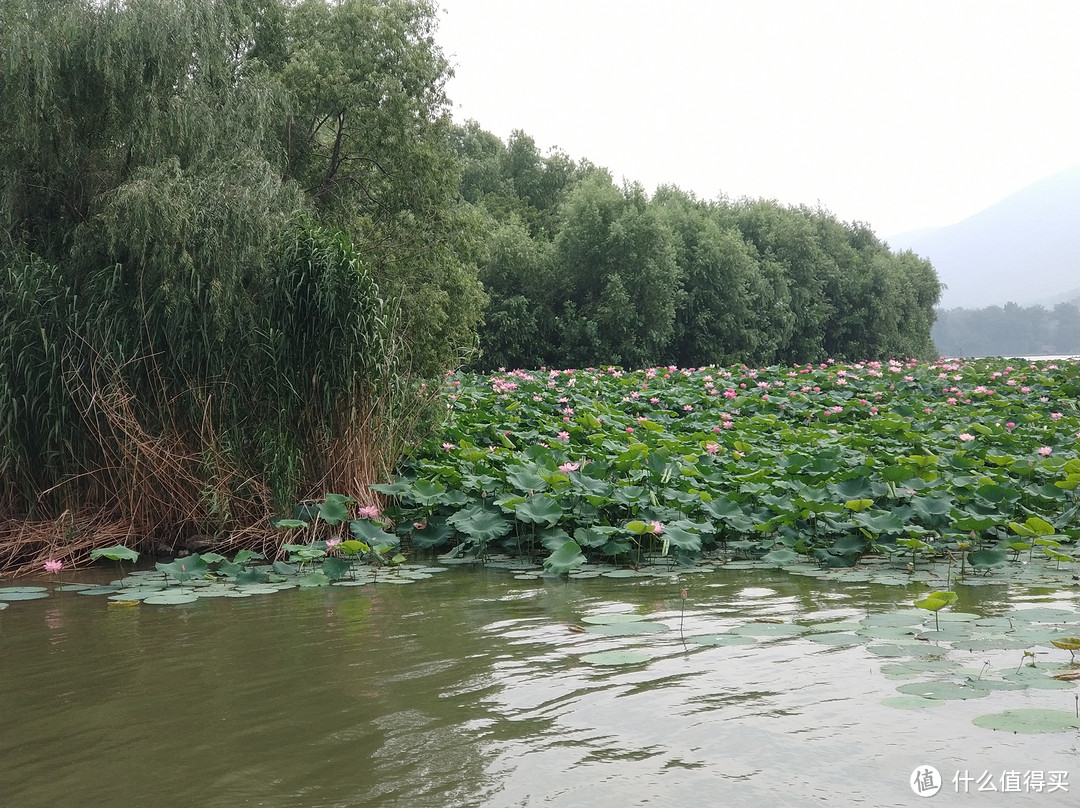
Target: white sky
[900, 113]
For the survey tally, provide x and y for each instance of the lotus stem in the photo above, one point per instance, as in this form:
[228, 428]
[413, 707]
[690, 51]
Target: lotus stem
[682, 612]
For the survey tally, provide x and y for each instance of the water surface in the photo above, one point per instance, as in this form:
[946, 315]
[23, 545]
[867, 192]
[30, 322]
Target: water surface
[470, 690]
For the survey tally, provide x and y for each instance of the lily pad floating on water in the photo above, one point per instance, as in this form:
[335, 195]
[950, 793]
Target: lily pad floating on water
[1029, 721]
[1039, 678]
[616, 658]
[996, 684]
[10, 593]
[944, 635]
[911, 702]
[98, 590]
[889, 632]
[769, 629]
[942, 690]
[905, 617]
[1044, 614]
[993, 643]
[893, 650]
[171, 598]
[137, 594]
[835, 638]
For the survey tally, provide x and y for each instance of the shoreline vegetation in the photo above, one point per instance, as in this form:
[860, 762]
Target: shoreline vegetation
[823, 462]
[239, 237]
[970, 460]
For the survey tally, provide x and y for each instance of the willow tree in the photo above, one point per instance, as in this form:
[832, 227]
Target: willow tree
[192, 331]
[368, 135]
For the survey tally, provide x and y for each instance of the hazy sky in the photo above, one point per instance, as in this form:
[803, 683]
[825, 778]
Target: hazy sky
[899, 113]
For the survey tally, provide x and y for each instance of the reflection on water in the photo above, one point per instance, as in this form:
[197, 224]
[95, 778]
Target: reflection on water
[468, 690]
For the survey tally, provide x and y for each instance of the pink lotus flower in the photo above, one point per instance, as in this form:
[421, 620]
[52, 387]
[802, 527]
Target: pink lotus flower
[656, 527]
[332, 543]
[448, 447]
[53, 565]
[368, 512]
[564, 435]
[1045, 450]
[566, 468]
[964, 436]
[712, 448]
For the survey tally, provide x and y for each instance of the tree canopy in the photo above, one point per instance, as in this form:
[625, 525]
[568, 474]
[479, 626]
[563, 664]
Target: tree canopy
[580, 271]
[230, 230]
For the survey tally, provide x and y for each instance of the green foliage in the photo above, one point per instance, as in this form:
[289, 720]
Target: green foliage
[579, 272]
[367, 135]
[564, 559]
[827, 463]
[116, 553]
[231, 233]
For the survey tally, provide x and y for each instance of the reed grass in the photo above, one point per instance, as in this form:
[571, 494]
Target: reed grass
[141, 413]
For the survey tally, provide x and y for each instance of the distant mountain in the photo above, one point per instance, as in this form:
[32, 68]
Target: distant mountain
[1025, 249]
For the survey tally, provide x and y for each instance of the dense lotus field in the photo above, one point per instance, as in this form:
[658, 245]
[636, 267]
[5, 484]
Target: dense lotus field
[824, 463]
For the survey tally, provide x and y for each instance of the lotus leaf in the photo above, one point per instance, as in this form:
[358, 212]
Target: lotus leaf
[539, 509]
[616, 658]
[1029, 721]
[115, 553]
[564, 559]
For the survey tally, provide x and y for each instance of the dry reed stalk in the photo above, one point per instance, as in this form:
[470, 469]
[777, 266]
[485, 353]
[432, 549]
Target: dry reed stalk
[163, 479]
[25, 546]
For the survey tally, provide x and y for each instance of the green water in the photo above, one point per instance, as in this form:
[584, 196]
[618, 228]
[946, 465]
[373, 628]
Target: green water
[469, 690]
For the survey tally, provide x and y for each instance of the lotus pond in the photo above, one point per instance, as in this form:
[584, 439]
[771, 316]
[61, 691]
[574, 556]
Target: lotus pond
[826, 464]
[473, 687]
[663, 587]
